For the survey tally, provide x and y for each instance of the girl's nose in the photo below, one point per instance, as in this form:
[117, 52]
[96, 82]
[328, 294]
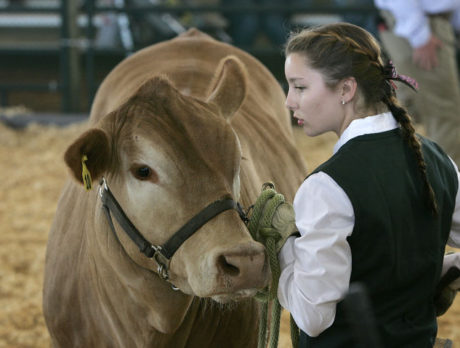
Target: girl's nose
[290, 103]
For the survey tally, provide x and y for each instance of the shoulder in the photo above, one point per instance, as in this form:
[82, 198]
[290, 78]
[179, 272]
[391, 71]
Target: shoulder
[436, 157]
[317, 190]
[361, 148]
[430, 147]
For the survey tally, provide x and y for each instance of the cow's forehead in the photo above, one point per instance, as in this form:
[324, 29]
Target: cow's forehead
[190, 134]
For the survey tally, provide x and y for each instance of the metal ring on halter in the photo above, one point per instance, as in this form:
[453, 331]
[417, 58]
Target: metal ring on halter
[102, 186]
[162, 262]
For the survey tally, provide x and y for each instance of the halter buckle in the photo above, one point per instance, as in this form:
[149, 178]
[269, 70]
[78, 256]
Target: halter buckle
[162, 262]
[102, 186]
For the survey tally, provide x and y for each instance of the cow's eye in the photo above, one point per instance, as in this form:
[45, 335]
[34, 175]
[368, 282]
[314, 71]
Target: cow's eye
[142, 172]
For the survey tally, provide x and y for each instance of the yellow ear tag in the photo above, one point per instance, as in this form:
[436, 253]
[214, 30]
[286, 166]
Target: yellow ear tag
[85, 174]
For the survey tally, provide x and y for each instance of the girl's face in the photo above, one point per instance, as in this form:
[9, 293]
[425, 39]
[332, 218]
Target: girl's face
[317, 108]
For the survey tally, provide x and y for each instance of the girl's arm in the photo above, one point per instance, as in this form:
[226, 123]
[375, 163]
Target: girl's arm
[316, 267]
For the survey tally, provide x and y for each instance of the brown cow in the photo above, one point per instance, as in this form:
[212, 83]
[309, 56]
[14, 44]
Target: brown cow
[173, 128]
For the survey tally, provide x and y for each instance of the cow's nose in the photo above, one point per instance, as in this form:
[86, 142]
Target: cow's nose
[243, 269]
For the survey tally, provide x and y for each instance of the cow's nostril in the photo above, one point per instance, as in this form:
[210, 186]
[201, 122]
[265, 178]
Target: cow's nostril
[242, 268]
[225, 265]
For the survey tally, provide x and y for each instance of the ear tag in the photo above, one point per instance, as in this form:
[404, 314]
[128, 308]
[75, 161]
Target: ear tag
[85, 174]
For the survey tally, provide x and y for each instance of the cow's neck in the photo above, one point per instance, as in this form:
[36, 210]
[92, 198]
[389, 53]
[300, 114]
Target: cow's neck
[138, 308]
[139, 297]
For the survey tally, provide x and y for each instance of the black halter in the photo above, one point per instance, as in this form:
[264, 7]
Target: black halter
[162, 253]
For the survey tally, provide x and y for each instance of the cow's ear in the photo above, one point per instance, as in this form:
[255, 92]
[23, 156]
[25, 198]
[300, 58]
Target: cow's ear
[228, 88]
[89, 155]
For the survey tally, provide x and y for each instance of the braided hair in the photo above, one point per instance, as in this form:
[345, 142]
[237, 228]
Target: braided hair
[342, 50]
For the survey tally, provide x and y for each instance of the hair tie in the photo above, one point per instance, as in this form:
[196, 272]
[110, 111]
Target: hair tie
[389, 73]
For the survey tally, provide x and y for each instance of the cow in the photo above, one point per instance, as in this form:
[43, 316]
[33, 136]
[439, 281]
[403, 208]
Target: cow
[181, 137]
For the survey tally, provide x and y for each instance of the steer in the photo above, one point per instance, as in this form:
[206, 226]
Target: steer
[181, 136]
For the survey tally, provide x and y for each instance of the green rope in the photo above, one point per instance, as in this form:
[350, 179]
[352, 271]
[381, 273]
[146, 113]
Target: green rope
[260, 228]
[263, 326]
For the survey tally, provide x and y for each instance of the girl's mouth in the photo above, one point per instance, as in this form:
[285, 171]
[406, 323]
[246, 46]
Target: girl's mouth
[300, 121]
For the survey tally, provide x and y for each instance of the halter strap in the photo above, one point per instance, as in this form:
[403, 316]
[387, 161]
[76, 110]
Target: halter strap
[162, 253]
[215, 208]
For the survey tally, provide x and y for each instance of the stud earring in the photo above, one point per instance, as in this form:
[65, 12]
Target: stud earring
[343, 102]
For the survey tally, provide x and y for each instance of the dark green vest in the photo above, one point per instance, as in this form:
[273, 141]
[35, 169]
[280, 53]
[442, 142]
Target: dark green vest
[397, 245]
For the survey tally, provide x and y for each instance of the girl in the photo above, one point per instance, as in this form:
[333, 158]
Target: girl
[379, 212]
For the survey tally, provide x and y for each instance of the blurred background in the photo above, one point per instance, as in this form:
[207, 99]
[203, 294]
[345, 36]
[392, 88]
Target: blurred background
[54, 54]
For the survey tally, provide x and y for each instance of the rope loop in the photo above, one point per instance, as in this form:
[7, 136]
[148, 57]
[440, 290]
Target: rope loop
[260, 227]
[269, 232]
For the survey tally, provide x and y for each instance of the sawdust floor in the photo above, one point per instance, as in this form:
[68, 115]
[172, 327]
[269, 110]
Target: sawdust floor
[31, 177]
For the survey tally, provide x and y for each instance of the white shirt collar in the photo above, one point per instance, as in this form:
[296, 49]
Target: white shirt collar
[367, 125]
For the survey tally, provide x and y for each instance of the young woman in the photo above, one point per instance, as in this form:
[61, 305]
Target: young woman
[379, 212]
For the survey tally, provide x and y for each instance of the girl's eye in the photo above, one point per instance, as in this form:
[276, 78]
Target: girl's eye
[299, 88]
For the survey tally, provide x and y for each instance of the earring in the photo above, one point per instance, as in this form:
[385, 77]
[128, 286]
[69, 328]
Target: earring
[343, 102]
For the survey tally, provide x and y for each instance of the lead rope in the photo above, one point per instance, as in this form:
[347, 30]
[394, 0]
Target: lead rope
[260, 225]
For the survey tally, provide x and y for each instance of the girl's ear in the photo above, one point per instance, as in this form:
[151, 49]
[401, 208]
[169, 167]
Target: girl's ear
[348, 89]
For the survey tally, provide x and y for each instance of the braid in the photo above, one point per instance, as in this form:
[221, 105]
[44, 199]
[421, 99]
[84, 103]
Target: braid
[353, 45]
[403, 118]
[342, 50]
[352, 55]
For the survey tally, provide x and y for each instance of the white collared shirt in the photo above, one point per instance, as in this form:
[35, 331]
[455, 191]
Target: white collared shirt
[316, 267]
[412, 17]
